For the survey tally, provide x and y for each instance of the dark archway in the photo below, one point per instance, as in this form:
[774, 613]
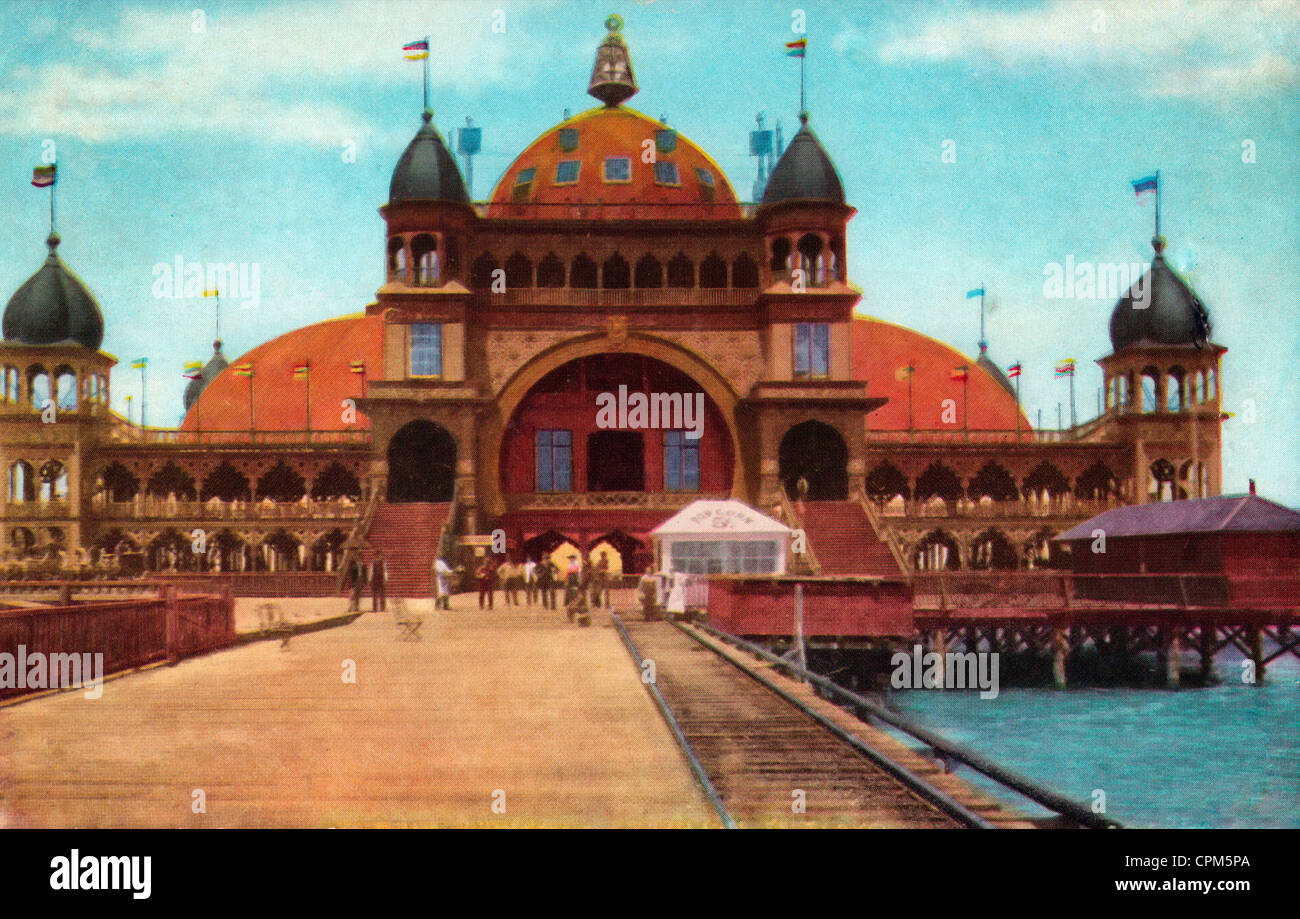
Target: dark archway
[938, 481]
[227, 484]
[421, 463]
[815, 452]
[171, 480]
[281, 483]
[992, 551]
[118, 482]
[615, 461]
[885, 482]
[1046, 478]
[994, 482]
[336, 482]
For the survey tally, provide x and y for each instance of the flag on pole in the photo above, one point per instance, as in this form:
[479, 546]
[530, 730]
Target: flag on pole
[193, 370]
[1149, 185]
[796, 48]
[904, 373]
[1065, 368]
[977, 292]
[301, 371]
[243, 370]
[44, 176]
[358, 367]
[211, 293]
[139, 363]
[416, 50]
[959, 373]
[1013, 370]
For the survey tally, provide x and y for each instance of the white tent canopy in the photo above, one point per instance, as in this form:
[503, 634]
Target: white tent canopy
[721, 537]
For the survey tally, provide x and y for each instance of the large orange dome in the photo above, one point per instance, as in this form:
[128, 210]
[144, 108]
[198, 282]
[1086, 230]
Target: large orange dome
[280, 400]
[591, 166]
[881, 348]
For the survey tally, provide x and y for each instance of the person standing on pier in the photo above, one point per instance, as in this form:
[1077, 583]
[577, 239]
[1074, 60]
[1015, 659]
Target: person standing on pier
[600, 582]
[530, 581]
[378, 583]
[546, 576]
[441, 583]
[357, 575]
[486, 576]
[572, 581]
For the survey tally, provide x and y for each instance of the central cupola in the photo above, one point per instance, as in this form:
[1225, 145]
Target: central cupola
[612, 80]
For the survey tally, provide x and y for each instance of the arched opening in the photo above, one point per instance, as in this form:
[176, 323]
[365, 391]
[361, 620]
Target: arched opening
[519, 271]
[227, 552]
[937, 551]
[649, 272]
[615, 273]
[1096, 483]
[12, 385]
[171, 480]
[225, 483]
[38, 386]
[1211, 385]
[170, 551]
[397, 259]
[281, 551]
[480, 273]
[780, 255]
[992, 482]
[327, 552]
[451, 248]
[421, 463]
[713, 272]
[118, 483]
[1150, 389]
[1200, 387]
[1045, 478]
[630, 553]
[1175, 394]
[335, 482]
[681, 271]
[281, 484]
[22, 541]
[816, 453]
[542, 545]
[885, 483]
[550, 271]
[744, 272]
[54, 481]
[938, 481]
[424, 253]
[1161, 486]
[992, 551]
[22, 483]
[837, 258]
[1041, 552]
[65, 388]
[583, 273]
[809, 249]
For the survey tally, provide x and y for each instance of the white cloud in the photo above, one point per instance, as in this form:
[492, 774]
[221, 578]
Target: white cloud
[150, 73]
[1241, 47]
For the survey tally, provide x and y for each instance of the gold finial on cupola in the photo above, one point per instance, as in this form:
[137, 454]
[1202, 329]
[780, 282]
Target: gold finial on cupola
[612, 81]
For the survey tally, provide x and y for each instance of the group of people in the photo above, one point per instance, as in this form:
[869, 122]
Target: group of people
[543, 580]
[375, 573]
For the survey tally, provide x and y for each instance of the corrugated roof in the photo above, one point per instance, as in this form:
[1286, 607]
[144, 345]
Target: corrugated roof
[1238, 513]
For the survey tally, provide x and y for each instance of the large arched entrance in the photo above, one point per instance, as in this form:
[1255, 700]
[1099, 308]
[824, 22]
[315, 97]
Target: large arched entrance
[421, 463]
[815, 452]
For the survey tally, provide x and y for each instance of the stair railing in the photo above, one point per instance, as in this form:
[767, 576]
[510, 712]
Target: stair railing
[808, 556]
[358, 535]
[447, 532]
[883, 533]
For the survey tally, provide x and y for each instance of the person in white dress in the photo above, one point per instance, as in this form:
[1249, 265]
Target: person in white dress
[677, 594]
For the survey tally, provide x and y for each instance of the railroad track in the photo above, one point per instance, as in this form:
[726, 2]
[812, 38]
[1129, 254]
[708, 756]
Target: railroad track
[767, 757]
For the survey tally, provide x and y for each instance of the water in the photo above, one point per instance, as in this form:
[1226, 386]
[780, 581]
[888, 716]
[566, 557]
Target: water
[1225, 756]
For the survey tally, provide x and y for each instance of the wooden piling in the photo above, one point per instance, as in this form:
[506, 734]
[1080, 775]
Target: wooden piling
[1060, 649]
[1173, 658]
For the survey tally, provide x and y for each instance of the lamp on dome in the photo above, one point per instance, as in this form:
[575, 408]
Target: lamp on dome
[612, 80]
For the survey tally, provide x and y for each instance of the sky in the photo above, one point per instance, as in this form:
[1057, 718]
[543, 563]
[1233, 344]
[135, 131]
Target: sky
[981, 143]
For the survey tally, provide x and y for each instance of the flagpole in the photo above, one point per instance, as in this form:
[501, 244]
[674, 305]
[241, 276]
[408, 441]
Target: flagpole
[910, 372]
[52, 184]
[803, 106]
[1157, 202]
[1074, 418]
[1020, 365]
[252, 429]
[982, 341]
[965, 402]
[308, 401]
[143, 398]
[426, 73]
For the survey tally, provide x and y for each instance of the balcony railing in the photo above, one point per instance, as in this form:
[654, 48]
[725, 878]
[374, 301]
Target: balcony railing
[125, 433]
[646, 297]
[215, 509]
[605, 499]
[35, 510]
[1061, 506]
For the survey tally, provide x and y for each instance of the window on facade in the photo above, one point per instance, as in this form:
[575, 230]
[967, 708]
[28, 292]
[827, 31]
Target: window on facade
[554, 460]
[666, 140]
[681, 462]
[568, 139]
[426, 349]
[523, 189]
[707, 185]
[618, 169]
[666, 173]
[812, 349]
[566, 172]
[756, 556]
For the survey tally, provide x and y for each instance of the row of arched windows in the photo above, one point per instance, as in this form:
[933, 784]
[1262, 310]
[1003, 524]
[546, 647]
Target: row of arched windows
[426, 261]
[1175, 390]
[616, 273]
[33, 386]
[227, 551]
[27, 484]
[819, 258]
[990, 550]
[1170, 482]
[885, 482]
[281, 483]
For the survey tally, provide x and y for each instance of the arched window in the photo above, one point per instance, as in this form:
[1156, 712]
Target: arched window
[649, 272]
[681, 273]
[885, 482]
[397, 258]
[519, 271]
[424, 253]
[38, 384]
[937, 551]
[780, 253]
[615, 273]
[744, 272]
[550, 271]
[13, 385]
[1175, 397]
[938, 481]
[225, 483]
[1096, 482]
[171, 480]
[1161, 482]
[837, 258]
[992, 481]
[65, 387]
[1150, 389]
[54, 481]
[281, 483]
[480, 273]
[713, 272]
[810, 250]
[1200, 387]
[582, 272]
[22, 483]
[992, 551]
[1045, 478]
[118, 482]
[335, 482]
[1211, 385]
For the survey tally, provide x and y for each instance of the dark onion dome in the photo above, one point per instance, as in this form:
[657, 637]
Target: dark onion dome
[214, 366]
[993, 369]
[804, 172]
[54, 307]
[1173, 314]
[427, 171]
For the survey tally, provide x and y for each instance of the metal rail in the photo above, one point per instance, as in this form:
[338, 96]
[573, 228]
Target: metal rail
[944, 748]
[673, 725]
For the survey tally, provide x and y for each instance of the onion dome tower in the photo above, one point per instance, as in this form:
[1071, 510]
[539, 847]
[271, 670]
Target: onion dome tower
[612, 80]
[1163, 387]
[54, 307]
[211, 369]
[804, 172]
[427, 171]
